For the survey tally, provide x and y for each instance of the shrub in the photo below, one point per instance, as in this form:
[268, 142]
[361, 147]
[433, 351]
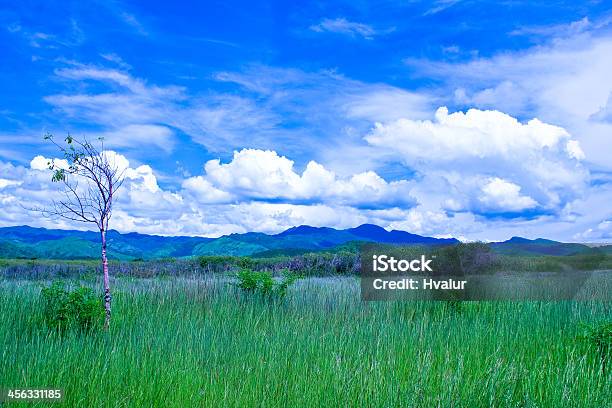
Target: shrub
[599, 338]
[251, 281]
[63, 309]
[264, 284]
[287, 280]
[245, 262]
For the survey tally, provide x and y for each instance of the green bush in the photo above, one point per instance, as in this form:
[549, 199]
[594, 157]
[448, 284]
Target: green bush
[599, 339]
[80, 308]
[263, 283]
[245, 262]
[287, 280]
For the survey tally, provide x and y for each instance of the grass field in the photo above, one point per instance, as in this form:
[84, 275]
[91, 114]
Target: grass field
[181, 342]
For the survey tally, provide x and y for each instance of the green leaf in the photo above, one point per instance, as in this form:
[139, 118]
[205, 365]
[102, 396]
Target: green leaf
[58, 175]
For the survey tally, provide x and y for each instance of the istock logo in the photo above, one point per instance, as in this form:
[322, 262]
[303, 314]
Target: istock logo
[384, 263]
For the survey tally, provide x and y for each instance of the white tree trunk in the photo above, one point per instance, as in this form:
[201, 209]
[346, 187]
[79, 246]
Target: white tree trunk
[107, 294]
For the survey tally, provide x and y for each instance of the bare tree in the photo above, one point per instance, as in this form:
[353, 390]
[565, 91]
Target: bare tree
[90, 181]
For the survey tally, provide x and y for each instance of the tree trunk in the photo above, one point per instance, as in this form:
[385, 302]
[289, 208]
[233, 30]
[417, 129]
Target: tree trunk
[107, 294]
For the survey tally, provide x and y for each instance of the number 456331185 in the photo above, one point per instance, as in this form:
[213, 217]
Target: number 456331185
[31, 394]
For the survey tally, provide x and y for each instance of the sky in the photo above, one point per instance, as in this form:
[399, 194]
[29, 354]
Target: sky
[470, 119]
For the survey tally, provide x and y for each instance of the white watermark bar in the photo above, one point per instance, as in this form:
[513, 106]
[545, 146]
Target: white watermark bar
[471, 272]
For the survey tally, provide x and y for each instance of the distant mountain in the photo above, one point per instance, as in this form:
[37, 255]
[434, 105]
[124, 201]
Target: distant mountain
[369, 232]
[28, 242]
[304, 237]
[524, 246]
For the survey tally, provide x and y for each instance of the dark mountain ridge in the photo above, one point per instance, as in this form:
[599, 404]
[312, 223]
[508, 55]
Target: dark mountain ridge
[30, 242]
[25, 241]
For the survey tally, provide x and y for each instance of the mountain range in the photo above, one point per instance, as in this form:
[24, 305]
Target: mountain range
[28, 242]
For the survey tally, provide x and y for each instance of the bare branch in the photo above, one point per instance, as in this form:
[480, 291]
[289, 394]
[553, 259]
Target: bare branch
[93, 202]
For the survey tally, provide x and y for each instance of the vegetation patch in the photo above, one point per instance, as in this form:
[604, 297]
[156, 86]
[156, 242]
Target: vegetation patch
[262, 283]
[77, 309]
[598, 337]
[195, 343]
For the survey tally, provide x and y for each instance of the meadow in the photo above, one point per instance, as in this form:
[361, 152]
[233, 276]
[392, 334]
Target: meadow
[181, 341]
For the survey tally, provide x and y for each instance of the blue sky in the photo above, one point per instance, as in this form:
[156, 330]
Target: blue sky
[479, 120]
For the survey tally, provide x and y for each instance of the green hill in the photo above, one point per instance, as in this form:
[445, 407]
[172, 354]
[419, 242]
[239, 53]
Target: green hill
[27, 242]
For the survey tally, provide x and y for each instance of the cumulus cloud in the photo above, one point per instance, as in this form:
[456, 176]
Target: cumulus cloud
[572, 147]
[500, 194]
[489, 156]
[42, 163]
[475, 133]
[257, 190]
[232, 203]
[264, 175]
[204, 191]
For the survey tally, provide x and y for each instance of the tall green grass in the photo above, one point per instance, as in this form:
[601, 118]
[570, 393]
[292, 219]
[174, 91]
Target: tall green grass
[199, 342]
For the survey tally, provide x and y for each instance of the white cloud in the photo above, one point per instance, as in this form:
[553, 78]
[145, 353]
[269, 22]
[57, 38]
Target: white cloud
[112, 57]
[499, 194]
[439, 6]
[72, 36]
[513, 97]
[573, 150]
[468, 149]
[201, 207]
[135, 114]
[229, 198]
[140, 194]
[476, 133]
[601, 232]
[131, 113]
[341, 25]
[302, 111]
[264, 175]
[605, 113]
[385, 103]
[133, 22]
[42, 163]
[138, 135]
[6, 183]
[554, 30]
[204, 192]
